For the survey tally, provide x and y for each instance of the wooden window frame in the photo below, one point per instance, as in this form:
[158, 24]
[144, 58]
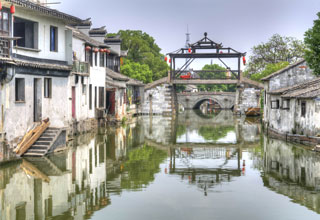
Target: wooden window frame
[303, 108]
[54, 45]
[19, 91]
[90, 96]
[288, 104]
[277, 104]
[47, 91]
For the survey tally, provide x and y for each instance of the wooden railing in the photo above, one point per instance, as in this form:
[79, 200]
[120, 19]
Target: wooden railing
[4, 47]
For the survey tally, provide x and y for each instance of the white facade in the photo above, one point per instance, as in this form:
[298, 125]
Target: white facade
[42, 33]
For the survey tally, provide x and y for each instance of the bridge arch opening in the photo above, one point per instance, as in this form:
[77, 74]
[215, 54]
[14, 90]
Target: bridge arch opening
[208, 104]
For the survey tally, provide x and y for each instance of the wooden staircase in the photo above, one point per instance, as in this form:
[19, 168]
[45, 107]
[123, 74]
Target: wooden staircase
[44, 143]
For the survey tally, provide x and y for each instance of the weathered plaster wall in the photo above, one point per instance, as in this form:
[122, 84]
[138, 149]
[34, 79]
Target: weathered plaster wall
[157, 100]
[120, 104]
[249, 98]
[19, 115]
[310, 124]
[293, 76]
[281, 119]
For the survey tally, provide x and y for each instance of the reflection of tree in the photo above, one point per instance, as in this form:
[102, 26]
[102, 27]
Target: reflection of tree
[181, 130]
[214, 133]
[141, 166]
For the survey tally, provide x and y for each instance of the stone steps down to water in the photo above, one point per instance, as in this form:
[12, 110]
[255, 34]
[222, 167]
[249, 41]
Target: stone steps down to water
[42, 146]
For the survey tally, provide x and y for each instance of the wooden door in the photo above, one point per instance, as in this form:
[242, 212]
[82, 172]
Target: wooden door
[73, 102]
[37, 100]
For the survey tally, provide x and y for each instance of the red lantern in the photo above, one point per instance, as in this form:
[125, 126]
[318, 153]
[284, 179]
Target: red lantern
[165, 58]
[189, 50]
[0, 6]
[221, 52]
[12, 9]
[101, 50]
[105, 50]
[244, 60]
[108, 51]
[96, 50]
[88, 48]
[170, 60]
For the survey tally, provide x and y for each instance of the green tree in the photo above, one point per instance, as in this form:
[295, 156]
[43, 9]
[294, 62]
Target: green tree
[269, 69]
[142, 49]
[137, 71]
[277, 49]
[312, 41]
[215, 71]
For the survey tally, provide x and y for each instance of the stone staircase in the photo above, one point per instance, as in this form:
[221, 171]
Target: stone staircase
[44, 143]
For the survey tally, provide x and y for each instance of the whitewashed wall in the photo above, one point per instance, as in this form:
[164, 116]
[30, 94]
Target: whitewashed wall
[44, 24]
[19, 116]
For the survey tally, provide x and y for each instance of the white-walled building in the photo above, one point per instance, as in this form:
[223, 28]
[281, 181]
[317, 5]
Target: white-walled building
[36, 62]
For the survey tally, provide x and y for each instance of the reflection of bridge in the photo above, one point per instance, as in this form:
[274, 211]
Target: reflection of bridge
[193, 100]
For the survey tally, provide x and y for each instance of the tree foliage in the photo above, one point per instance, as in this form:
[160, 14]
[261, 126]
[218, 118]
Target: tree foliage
[141, 166]
[142, 49]
[269, 69]
[210, 133]
[312, 41]
[137, 71]
[215, 71]
[277, 50]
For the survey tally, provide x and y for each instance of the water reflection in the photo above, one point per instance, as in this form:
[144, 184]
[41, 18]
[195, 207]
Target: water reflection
[293, 171]
[119, 171]
[205, 167]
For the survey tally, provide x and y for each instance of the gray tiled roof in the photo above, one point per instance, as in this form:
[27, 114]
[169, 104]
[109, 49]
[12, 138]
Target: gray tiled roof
[46, 11]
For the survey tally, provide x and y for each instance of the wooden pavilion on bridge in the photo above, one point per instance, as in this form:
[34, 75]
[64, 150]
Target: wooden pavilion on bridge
[204, 49]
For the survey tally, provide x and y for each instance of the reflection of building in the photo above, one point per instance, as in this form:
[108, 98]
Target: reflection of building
[221, 165]
[72, 183]
[285, 164]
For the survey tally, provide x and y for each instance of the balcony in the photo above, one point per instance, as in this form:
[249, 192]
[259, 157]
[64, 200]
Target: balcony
[81, 68]
[4, 47]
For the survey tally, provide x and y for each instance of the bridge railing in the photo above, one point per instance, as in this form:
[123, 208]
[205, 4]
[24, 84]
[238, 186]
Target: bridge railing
[205, 74]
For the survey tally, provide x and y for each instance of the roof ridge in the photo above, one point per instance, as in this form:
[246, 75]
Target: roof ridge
[283, 69]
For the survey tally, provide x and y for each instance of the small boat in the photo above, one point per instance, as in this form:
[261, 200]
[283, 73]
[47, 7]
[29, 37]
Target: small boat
[252, 112]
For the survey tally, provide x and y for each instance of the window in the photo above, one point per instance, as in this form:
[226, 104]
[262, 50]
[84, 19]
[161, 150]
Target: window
[27, 31]
[90, 96]
[96, 59]
[303, 108]
[95, 97]
[286, 104]
[101, 59]
[84, 89]
[275, 104]
[20, 92]
[53, 39]
[47, 87]
[4, 22]
[101, 97]
[89, 57]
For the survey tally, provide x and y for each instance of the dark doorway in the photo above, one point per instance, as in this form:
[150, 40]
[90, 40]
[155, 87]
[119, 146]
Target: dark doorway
[110, 101]
[37, 100]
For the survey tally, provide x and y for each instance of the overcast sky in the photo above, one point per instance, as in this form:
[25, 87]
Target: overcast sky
[239, 24]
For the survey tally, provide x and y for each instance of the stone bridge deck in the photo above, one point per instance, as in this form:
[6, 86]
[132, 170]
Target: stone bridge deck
[190, 100]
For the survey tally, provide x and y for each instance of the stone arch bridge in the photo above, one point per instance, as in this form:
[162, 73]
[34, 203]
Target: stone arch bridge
[192, 100]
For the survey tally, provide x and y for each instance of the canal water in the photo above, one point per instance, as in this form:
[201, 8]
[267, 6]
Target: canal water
[196, 166]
